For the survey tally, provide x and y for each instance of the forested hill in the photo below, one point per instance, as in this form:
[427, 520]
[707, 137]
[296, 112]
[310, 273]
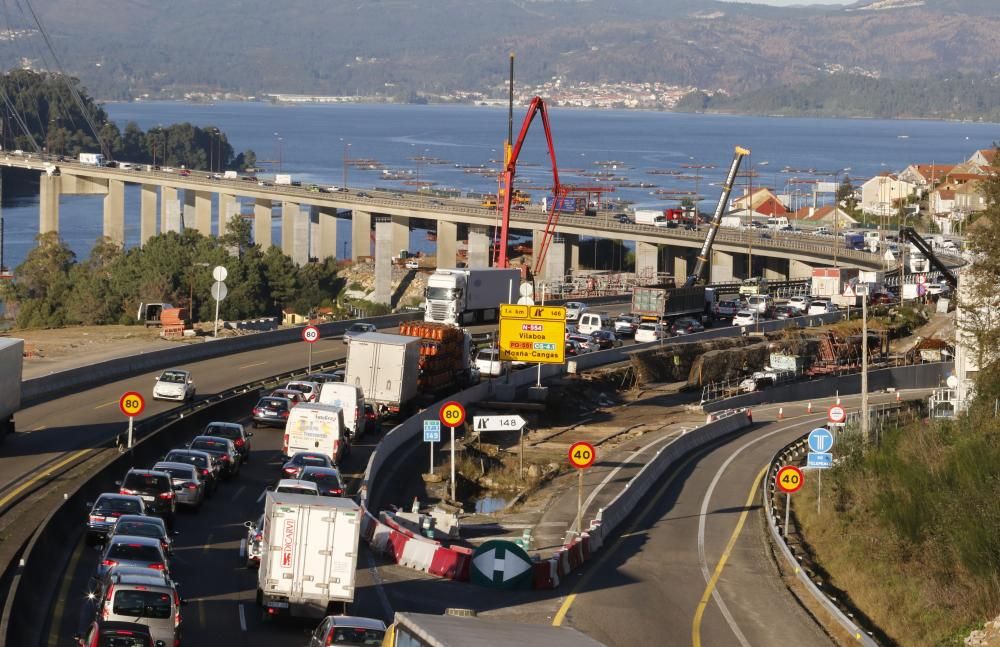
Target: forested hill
[431, 48]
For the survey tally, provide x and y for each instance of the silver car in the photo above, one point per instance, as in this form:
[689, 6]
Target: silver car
[132, 550]
[358, 329]
[189, 488]
[142, 596]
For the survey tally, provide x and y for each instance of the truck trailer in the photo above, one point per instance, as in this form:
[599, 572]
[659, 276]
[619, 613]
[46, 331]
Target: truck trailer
[463, 296]
[656, 303]
[386, 367]
[309, 555]
[11, 361]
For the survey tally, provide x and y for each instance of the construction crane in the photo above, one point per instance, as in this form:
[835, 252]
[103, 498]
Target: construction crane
[537, 106]
[713, 227]
[910, 234]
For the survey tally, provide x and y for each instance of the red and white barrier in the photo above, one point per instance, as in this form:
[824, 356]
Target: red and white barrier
[418, 554]
[546, 574]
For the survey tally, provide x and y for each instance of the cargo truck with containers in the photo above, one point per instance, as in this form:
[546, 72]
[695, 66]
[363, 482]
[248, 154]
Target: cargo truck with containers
[11, 361]
[386, 368]
[309, 555]
[659, 303]
[653, 217]
[92, 159]
[446, 357]
[463, 296]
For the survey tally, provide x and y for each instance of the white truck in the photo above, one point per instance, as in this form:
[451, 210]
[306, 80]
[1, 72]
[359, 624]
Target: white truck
[230, 175]
[283, 179]
[11, 361]
[350, 398]
[316, 428]
[385, 367]
[733, 222]
[650, 217]
[462, 296]
[309, 555]
[92, 159]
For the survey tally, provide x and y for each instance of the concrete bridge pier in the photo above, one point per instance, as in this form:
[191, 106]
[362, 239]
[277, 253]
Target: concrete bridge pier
[647, 261]
[114, 212]
[262, 221]
[147, 213]
[50, 188]
[361, 234]
[775, 269]
[799, 269]
[479, 246]
[188, 219]
[573, 250]
[722, 269]
[229, 208]
[555, 258]
[203, 212]
[400, 234]
[170, 210]
[327, 228]
[384, 242]
[447, 243]
[294, 232]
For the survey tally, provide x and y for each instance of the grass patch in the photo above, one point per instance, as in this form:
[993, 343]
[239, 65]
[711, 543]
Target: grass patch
[909, 529]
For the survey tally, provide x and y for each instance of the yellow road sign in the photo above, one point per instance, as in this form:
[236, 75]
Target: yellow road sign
[543, 313]
[533, 340]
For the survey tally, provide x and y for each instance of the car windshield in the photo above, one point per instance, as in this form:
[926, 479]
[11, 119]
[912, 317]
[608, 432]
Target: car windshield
[138, 529]
[273, 403]
[327, 479]
[301, 388]
[123, 506]
[222, 431]
[194, 459]
[309, 459]
[178, 472]
[360, 328]
[574, 305]
[122, 639]
[356, 636]
[209, 445]
[172, 377]
[647, 327]
[440, 293]
[488, 355]
[136, 552]
[295, 489]
[141, 604]
[139, 482]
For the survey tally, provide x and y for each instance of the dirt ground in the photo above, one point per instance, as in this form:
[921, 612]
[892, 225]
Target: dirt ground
[61, 348]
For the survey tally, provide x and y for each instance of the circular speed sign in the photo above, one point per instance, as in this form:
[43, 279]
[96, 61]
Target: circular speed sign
[452, 414]
[836, 414]
[131, 403]
[582, 455]
[310, 334]
[789, 479]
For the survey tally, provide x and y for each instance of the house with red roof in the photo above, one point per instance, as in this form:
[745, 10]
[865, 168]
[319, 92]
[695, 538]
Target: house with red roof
[825, 215]
[984, 157]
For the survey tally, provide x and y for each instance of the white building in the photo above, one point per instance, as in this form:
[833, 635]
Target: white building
[879, 193]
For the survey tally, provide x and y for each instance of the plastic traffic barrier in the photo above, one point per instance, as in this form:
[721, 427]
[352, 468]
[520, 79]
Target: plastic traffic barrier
[418, 554]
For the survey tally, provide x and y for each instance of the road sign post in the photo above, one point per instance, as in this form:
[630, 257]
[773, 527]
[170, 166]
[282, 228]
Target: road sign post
[219, 292]
[789, 480]
[581, 456]
[131, 404]
[432, 434]
[532, 334]
[820, 458]
[452, 414]
[310, 335]
[837, 415]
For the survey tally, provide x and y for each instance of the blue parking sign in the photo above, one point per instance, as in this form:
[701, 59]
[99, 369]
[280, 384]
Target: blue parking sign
[820, 440]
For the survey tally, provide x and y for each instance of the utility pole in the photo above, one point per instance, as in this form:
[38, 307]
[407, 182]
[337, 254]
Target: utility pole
[862, 292]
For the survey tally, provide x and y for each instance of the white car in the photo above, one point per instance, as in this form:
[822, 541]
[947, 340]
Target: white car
[821, 307]
[938, 289]
[800, 304]
[174, 384]
[309, 390]
[295, 486]
[649, 332]
[488, 362]
[745, 318]
[574, 309]
[358, 329]
[759, 303]
[412, 265]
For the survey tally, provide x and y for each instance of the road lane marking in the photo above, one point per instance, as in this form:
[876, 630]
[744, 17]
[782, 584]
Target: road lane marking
[252, 365]
[262, 495]
[383, 599]
[627, 461]
[59, 609]
[238, 492]
[208, 542]
[106, 404]
[243, 618]
[710, 587]
[568, 602]
[39, 428]
[243, 550]
[34, 479]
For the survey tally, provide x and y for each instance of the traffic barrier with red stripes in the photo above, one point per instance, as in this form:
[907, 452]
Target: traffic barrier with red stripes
[397, 544]
[546, 574]
[380, 537]
[418, 554]
[451, 563]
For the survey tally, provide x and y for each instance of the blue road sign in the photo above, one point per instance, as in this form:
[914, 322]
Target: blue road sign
[819, 460]
[820, 440]
[432, 431]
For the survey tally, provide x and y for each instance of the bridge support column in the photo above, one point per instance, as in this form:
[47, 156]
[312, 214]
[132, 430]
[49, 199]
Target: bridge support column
[681, 266]
[170, 210]
[147, 213]
[573, 249]
[294, 232]
[327, 233]
[555, 259]
[50, 187]
[229, 209]
[647, 259]
[447, 240]
[400, 234]
[799, 269]
[189, 221]
[361, 234]
[384, 242]
[479, 246]
[775, 269]
[203, 212]
[721, 270]
[262, 209]
[114, 212]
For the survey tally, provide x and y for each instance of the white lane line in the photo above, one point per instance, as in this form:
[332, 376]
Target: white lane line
[387, 611]
[252, 365]
[243, 548]
[704, 515]
[243, 618]
[611, 474]
[262, 495]
[239, 491]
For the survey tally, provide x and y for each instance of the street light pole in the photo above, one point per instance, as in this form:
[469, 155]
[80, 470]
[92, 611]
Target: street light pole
[863, 293]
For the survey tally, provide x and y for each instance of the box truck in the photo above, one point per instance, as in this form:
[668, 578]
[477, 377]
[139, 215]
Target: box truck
[350, 398]
[11, 361]
[463, 296]
[92, 159]
[309, 555]
[655, 303]
[650, 217]
[283, 179]
[385, 367]
[315, 427]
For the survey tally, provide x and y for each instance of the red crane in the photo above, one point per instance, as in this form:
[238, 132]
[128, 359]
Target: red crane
[537, 106]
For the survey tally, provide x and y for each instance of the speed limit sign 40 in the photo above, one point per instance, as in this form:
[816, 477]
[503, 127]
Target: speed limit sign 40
[310, 334]
[582, 455]
[789, 479]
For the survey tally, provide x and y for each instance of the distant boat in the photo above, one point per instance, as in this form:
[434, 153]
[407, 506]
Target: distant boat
[902, 136]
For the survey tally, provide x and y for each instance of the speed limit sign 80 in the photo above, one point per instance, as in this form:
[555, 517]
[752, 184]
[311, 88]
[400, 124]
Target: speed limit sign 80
[310, 334]
[132, 403]
[452, 414]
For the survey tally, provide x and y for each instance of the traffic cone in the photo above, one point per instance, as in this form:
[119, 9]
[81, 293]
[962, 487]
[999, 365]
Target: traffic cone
[809, 408]
[750, 415]
[898, 398]
[781, 413]
[838, 399]
[708, 419]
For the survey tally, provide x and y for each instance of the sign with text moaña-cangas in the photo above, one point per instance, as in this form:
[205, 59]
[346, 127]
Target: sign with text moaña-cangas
[535, 334]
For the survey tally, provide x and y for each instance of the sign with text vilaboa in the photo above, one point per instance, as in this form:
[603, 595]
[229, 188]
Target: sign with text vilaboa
[535, 334]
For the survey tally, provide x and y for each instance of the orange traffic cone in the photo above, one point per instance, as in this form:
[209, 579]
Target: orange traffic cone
[750, 415]
[708, 419]
[809, 408]
[898, 398]
[781, 413]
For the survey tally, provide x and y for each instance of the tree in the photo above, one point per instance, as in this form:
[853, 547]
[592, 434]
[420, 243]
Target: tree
[282, 279]
[42, 283]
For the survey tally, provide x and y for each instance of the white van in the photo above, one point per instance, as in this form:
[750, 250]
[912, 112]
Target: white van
[777, 222]
[591, 322]
[316, 428]
[350, 398]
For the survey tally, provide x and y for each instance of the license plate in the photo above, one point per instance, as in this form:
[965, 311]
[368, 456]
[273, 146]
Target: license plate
[147, 498]
[276, 604]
